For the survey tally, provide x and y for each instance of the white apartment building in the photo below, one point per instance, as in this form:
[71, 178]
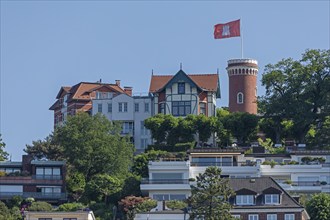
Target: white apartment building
[167, 178]
[131, 111]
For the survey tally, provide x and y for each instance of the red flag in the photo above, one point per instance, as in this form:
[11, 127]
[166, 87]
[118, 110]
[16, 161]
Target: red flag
[230, 29]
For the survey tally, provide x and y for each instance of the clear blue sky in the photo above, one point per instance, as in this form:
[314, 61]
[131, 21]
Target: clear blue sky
[49, 44]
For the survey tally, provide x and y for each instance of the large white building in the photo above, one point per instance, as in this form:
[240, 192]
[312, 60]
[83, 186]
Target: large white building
[172, 179]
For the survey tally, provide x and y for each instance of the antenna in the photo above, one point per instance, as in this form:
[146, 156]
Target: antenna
[180, 66]
[152, 72]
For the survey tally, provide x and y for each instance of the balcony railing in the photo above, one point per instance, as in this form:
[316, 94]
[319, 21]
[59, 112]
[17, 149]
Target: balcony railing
[47, 177]
[35, 179]
[222, 164]
[307, 183]
[36, 195]
[165, 181]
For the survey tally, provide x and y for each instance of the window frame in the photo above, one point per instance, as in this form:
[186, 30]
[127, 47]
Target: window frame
[240, 98]
[181, 108]
[202, 108]
[289, 216]
[271, 216]
[99, 107]
[272, 196]
[181, 88]
[241, 200]
[253, 217]
[109, 107]
[136, 107]
[146, 107]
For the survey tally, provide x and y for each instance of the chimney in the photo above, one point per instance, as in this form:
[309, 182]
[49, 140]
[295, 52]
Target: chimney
[26, 163]
[118, 82]
[128, 90]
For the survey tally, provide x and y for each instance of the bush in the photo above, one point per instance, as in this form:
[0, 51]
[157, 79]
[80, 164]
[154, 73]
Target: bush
[40, 206]
[179, 147]
[70, 207]
[2, 173]
[292, 162]
[176, 204]
[272, 163]
[306, 160]
[288, 182]
[146, 205]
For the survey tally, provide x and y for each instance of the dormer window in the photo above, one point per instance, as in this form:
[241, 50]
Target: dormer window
[272, 199]
[244, 200]
[104, 95]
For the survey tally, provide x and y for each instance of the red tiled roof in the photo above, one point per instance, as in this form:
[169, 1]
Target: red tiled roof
[208, 82]
[82, 90]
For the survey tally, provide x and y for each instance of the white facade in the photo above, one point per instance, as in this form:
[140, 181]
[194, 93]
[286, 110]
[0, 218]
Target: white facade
[131, 112]
[79, 215]
[299, 178]
[168, 180]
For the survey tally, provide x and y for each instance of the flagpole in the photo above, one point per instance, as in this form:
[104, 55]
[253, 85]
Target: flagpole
[241, 39]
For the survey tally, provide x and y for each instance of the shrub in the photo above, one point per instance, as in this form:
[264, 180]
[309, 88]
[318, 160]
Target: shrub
[292, 162]
[272, 163]
[70, 207]
[176, 204]
[40, 206]
[2, 173]
[306, 160]
[146, 205]
[288, 182]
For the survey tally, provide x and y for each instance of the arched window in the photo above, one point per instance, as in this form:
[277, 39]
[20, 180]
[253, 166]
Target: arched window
[240, 98]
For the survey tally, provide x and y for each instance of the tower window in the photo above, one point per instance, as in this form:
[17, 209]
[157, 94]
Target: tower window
[240, 98]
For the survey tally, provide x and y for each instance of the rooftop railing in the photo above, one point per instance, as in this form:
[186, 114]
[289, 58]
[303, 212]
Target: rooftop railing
[223, 164]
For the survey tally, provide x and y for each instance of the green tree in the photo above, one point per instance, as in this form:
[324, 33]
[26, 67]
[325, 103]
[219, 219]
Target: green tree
[131, 204]
[160, 126]
[3, 153]
[76, 183]
[104, 185]
[224, 136]
[46, 148]
[203, 127]
[4, 212]
[298, 91]
[210, 197]
[140, 165]
[322, 135]
[318, 207]
[93, 145]
[242, 125]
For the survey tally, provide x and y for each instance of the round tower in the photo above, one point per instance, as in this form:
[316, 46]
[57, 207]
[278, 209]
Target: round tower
[242, 75]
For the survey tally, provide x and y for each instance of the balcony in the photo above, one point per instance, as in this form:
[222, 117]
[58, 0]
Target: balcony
[35, 179]
[305, 186]
[223, 164]
[36, 195]
[165, 184]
